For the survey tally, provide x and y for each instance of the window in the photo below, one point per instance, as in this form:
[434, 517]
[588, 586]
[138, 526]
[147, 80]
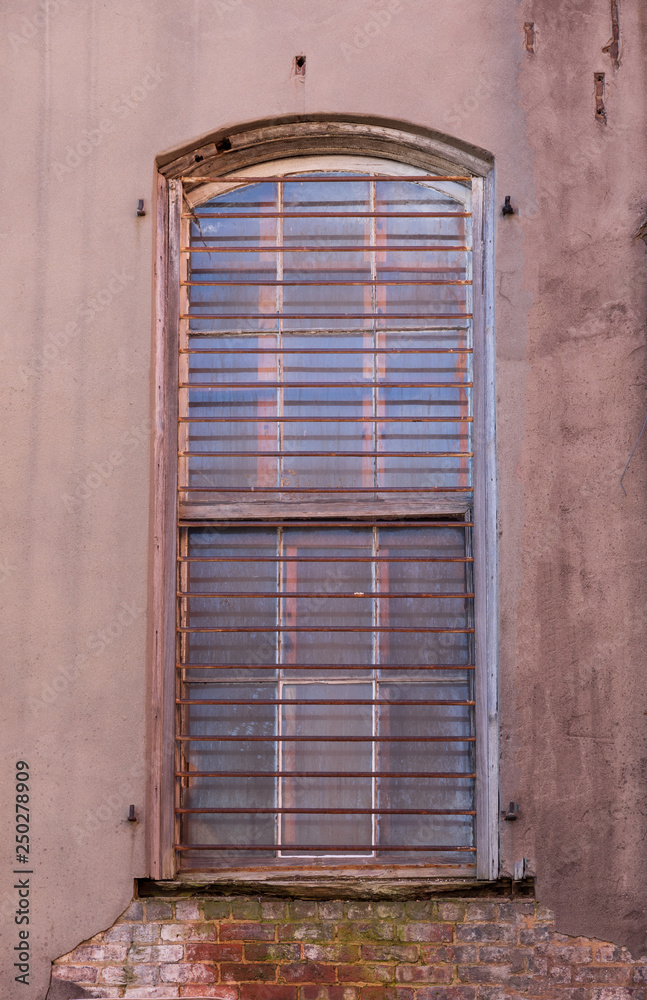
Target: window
[331, 692]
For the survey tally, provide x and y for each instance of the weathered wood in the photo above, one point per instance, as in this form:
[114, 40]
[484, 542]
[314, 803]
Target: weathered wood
[166, 378]
[444, 506]
[266, 142]
[484, 543]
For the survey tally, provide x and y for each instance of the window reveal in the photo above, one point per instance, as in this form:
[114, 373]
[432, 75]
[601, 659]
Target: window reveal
[326, 694]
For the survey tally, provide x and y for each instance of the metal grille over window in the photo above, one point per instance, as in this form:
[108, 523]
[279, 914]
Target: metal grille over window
[325, 651]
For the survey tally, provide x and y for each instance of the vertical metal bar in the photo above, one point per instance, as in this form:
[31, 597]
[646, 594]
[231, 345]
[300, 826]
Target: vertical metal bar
[374, 390]
[280, 374]
[375, 761]
[279, 682]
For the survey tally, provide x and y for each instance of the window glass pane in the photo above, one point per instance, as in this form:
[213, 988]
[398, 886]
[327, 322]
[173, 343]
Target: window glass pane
[320, 287]
[233, 271]
[354, 655]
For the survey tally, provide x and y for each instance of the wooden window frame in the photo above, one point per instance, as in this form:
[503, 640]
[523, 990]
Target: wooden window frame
[259, 147]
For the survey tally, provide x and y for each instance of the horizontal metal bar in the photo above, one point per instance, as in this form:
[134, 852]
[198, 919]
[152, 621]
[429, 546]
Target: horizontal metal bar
[354, 214]
[326, 454]
[360, 248]
[351, 316]
[323, 178]
[327, 629]
[335, 812]
[343, 491]
[325, 774]
[370, 522]
[324, 284]
[322, 351]
[327, 559]
[336, 848]
[319, 701]
[369, 667]
[317, 420]
[325, 385]
[325, 739]
[322, 596]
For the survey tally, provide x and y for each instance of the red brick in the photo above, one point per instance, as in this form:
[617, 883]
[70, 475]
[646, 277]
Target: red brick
[503, 953]
[365, 973]
[561, 974]
[531, 935]
[618, 993]
[269, 951]
[362, 931]
[157, 909]
[388, 993]
[188, 932]
[426, 932]
[484, 973]
[607, 975]
[452, 911]
[610, 953]
[256, 991]
[75, 973]
[246, 909]
[302, 909]
[435, 954]
[570, 953]
[306, 932]
[274, 909]
[389, 952]
[345, 953]
[424, 973]
[307, 972]
[446, 993]
[481, 911]
[478, 932]
[246, 932]
[211, 952]
[218, 992]
[329, 992]
[247, 972]
[421, 909]
[188, 974]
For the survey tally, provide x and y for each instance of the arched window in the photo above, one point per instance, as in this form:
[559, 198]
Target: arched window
[330, 668]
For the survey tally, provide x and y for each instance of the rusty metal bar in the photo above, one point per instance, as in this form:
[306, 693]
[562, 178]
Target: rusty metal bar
[315, 848]
[323, 178]
[341, 522]
[358, 248]
[327, 629]
[319, 352]
[350, 316]
[398, 667]
[336, 812]
[324, 739]
[325, 215]
[326, 774]
[327, 559]
[319, 701]
[321, 420]
[326, 454]
[344, 491]
[325, 385]
[324, 284]
[321, 594]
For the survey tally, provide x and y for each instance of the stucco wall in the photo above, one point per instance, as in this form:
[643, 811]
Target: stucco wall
[93, 93]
